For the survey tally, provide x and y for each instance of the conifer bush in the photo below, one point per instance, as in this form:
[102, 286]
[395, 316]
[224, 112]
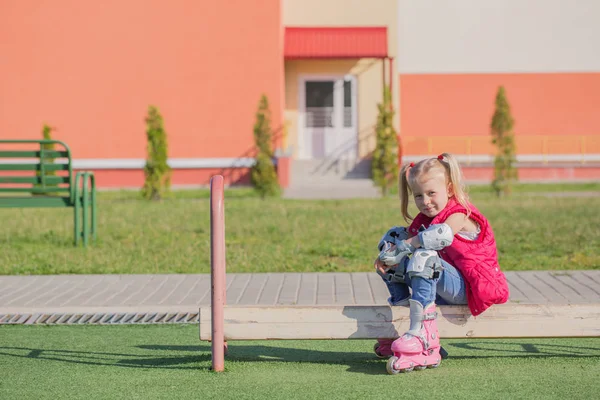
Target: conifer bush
[157, 172]
[46, 135]
[263, 175]
[384, 167]
[505, 172]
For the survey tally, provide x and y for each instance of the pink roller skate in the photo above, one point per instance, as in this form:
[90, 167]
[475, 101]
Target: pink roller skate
[383, 348]
[419, 347]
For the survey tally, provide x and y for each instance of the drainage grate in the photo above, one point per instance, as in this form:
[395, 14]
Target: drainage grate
[99, 318]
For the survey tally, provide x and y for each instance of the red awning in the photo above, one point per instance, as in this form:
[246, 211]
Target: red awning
[347, 42]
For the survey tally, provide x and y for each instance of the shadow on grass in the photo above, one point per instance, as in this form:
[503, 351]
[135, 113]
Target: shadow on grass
[134, 360]
[362, 362]
[514, 349]
[365, 362]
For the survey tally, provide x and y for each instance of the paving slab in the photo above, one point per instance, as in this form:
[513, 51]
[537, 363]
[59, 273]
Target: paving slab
[185, 293]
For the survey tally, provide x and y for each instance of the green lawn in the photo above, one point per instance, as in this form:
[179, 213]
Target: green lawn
[533, 231]
[141, 362]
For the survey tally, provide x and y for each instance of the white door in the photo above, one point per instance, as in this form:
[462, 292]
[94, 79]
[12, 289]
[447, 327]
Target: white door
[327, 124]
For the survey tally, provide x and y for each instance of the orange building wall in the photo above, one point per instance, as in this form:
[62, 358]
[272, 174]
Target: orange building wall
[91, 68]
[134, 178]
[582, 173]
[463, 104]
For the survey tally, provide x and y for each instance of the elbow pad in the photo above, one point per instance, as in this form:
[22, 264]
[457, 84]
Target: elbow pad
[436, 237]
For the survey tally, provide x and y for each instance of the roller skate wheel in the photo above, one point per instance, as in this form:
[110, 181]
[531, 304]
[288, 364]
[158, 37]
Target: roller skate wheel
[420, 367]
[376, 350]
[391, 369]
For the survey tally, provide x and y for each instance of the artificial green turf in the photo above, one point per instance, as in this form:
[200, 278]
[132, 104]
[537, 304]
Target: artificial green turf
[533, 232]
[248, 192]
[155, 362]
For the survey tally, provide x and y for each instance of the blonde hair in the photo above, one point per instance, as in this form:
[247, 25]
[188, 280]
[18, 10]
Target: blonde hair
[445, 163]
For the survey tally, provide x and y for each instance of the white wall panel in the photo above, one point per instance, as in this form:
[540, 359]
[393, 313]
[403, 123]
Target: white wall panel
[484, 36]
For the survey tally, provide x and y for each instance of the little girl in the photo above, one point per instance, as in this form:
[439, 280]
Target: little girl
[447, 256]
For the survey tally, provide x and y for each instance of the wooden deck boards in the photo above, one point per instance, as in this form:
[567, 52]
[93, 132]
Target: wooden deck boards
[361, 288]
[186, 292]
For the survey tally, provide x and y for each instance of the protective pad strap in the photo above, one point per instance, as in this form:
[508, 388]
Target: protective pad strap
[430, 315]
[425, 264]
[395, 275]
[420, 336]
[436, 237]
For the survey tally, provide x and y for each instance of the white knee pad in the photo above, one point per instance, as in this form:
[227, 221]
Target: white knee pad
[396, 233]
[424, 264]
[436, 237]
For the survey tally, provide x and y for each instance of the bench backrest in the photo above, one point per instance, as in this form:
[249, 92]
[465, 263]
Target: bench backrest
[35, 166]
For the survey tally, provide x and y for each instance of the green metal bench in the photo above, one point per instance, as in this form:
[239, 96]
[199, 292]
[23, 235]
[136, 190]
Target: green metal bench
[33, 173]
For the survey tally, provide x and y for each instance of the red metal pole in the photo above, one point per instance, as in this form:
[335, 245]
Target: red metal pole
[217, 271]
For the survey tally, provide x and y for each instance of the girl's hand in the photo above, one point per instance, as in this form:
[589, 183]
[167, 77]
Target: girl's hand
[380, 267]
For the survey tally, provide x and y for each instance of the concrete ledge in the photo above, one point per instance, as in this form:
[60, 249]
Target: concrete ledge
[372, 322]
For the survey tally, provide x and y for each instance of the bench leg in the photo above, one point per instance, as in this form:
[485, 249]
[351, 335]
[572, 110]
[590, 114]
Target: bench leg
[86, 210]
[94, 216]
[77, 222]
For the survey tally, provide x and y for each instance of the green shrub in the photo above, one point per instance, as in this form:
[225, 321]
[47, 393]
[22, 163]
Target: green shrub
[263, 175]
[46, 135]
[385, 157]
[505, 173]
[157, 172]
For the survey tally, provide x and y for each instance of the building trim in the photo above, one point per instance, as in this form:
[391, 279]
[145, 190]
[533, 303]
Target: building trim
[139, 163]
[206, 163]
[521, 158]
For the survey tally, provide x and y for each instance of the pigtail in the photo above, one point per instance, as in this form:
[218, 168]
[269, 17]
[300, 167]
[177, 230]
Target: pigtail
[456, 178]
[404, 191]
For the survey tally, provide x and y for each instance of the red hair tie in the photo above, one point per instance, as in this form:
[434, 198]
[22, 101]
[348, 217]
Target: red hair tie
[440, 157]
[412, 164]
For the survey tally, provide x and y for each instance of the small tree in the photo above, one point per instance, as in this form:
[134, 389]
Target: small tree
[45, 159]
[503, 137]
[385, 157]
[157, 171]
[263, 174]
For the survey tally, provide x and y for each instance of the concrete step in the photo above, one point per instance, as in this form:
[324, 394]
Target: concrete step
[304, 172]
[331, 189]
